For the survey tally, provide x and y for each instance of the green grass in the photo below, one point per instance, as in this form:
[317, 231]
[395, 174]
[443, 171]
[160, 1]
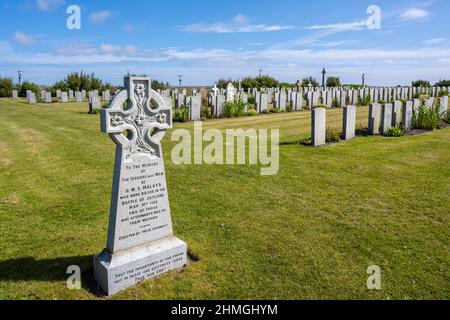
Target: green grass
[309, 232]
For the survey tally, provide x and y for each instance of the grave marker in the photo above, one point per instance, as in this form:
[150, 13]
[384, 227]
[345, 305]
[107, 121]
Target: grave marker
[141, 243]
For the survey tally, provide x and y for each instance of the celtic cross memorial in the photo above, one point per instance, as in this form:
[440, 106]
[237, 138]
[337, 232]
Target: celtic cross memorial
[141, 243]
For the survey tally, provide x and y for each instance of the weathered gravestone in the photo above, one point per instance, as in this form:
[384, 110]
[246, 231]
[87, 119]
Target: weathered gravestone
[281, 101]
[297, 101]
[416, 106]
[94, 103]
[396, 113]
[47, 97]
[374, 118]
[386, 118]
[349, 122]
[106, 95]
[231, 92]
[64, 97]
[195, 107]
[78, 96]
[218, 105]
[141, 243]
[318, 126]
[262, 104]
[15, 94]
[31, 97]
[407, 115]
[443, 106]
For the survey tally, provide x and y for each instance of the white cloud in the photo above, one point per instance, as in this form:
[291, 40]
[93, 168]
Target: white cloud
[86, 52]
[434, 41]
[239, 24]
[100, 16]
[414, 14]
[23, 39]
[357, 25]
[48, 5]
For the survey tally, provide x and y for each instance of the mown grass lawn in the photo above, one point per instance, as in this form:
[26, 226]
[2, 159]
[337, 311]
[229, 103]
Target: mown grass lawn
[309, 232]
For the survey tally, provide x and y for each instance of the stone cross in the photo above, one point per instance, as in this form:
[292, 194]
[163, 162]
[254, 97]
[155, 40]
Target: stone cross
[141, 243]
[146, 120]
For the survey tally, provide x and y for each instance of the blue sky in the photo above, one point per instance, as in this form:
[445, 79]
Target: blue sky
[207, 40]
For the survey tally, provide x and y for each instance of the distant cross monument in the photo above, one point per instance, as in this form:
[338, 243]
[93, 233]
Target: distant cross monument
[141, 243]
[324, 72]
[20, 77]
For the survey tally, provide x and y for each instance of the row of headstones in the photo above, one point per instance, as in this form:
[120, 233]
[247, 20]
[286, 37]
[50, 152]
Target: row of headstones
[280, 97]
[376, 93]
[381, 118]
[64, 96]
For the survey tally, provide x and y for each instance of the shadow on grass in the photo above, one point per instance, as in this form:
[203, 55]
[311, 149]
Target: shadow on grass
[303, 142]
[54, 270]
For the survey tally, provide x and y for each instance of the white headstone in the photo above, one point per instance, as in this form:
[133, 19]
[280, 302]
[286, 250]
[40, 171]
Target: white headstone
[407, 115]
[318, 126]
[64, 97]
[443, 106]
[374, 118]
[386, 118]
[349, 122]
[231, 92]
[195, 107]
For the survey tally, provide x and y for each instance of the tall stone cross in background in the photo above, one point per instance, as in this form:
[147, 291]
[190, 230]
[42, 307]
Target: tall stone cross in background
[141, 243]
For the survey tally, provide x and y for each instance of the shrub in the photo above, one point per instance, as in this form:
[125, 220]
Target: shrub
[364, 101]
[333, 82]
[443, 83]
[239, 108]
[443, 93]
[251, 100]
[332, 135]
[274, 110]
[395, 132]
[427, 118]
[181, 114]
[447, 117]
[228, 109]
[29, 86]
[421, 83]
[252, 113]
[233, 109]
[307, 80]
[335, 103]
[6, 87]
[362, 130]
[205, 113]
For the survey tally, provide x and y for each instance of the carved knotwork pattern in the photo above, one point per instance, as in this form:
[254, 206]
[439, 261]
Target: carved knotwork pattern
[145, 121]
